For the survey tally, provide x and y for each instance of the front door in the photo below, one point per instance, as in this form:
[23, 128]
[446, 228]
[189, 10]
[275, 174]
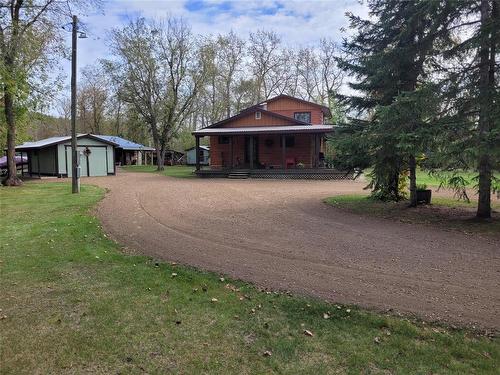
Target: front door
[255, 151]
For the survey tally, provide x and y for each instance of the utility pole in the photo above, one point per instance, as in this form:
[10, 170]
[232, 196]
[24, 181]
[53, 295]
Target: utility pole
[75, 163]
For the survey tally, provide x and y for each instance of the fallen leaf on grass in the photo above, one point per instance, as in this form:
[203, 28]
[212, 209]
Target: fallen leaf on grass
[487, 355]
[308, 333]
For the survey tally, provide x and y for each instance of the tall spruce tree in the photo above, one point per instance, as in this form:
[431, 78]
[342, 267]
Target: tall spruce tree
[387, 56]
[469, 121]
[471, 95]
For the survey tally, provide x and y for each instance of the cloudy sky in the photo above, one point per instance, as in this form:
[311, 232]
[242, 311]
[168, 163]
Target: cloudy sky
[299, 22]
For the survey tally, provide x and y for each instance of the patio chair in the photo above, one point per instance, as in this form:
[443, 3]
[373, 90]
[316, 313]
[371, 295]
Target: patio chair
[289, 162]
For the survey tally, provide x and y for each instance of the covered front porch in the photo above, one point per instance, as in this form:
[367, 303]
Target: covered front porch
[287, 152]
[270, 147]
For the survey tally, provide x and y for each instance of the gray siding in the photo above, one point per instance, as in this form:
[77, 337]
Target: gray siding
[191, 157]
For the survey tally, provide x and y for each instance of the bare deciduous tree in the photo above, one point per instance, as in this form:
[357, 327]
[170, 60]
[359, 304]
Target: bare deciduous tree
[93, 98]
[162, 68]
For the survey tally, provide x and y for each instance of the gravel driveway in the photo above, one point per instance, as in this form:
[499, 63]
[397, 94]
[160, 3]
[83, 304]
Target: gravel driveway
[279, 234]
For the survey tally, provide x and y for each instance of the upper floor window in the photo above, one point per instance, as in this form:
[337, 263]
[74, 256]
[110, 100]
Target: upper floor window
[258, 115]
[303, 116]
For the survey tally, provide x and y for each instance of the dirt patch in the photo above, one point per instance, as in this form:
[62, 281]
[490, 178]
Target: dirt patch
[279, 234]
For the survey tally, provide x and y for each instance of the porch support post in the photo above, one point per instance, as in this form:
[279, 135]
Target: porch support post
[315, 159]
[283, 151]
[197, 153]
[30, 167]
[251, 152]
[231, 151]
[38, 163]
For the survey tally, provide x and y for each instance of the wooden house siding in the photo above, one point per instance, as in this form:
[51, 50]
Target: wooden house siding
[229, 151]
[287, 107]
[250, 120]
[270, 155]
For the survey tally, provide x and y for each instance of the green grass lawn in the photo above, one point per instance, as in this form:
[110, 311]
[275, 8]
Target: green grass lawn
[446, 213]
[423, 177]
[180, 171]
[72, 302]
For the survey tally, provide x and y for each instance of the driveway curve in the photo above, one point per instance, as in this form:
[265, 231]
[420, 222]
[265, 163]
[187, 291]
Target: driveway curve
[279, 235]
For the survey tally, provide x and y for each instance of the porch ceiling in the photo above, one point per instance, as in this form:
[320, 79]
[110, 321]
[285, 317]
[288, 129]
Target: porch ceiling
[292, 129]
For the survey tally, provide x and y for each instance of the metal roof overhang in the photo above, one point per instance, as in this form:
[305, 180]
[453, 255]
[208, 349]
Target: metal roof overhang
[48, 142]
[294, 129]
[145, 148]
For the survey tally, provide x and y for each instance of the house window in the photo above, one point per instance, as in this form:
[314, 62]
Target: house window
[303, 116]
[223, 140]
[289, 141]
[258, 115]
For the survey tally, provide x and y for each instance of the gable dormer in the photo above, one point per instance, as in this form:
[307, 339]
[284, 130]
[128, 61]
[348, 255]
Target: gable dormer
[257, 116]
[297, 109]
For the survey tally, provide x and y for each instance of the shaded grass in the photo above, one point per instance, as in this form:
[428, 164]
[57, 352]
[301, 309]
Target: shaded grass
[74, 303]
[179, 171]
[446, 213]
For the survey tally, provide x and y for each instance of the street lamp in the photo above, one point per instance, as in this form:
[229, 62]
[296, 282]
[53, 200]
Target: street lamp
[75, 160]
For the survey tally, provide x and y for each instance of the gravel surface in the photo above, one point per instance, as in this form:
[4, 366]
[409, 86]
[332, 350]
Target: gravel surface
[279, 235]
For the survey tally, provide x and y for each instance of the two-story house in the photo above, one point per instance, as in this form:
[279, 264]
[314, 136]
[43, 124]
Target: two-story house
[279, 135]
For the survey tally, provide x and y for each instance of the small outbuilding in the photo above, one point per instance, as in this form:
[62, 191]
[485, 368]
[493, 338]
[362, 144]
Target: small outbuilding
[128, 152]
[204, 155]
[52, 156]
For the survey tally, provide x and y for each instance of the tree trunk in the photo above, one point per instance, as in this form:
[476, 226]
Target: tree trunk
[12, 179]
[160, 157]
[412, 163]
[159, 160]
[395, 185]
[486, 91]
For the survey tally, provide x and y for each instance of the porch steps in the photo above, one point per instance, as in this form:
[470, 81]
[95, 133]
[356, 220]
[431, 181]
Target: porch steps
[239, 175]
